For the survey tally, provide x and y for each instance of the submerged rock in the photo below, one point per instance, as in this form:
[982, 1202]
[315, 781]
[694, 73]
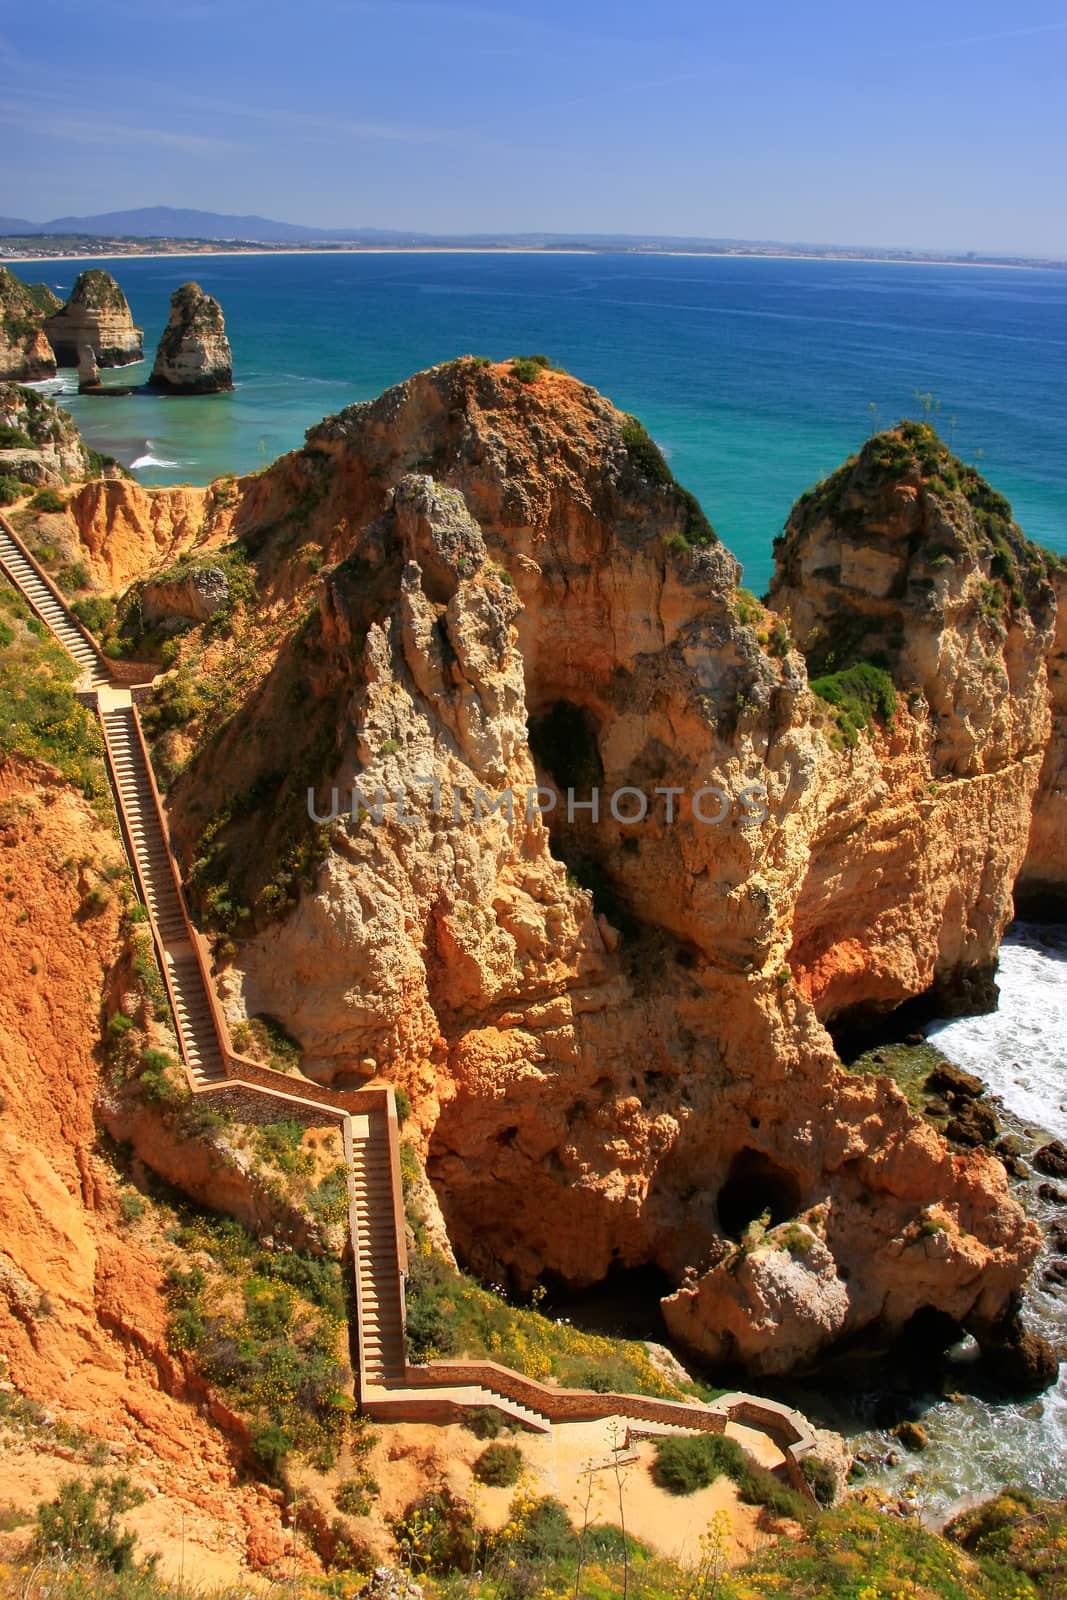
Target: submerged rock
[194, 353]
[1022, 1361]
[97, 314]
[912, 1435]
[1051, 1159]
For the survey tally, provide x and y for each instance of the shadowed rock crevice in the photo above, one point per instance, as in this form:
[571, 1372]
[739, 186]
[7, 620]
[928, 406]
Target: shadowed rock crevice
[756, 1185]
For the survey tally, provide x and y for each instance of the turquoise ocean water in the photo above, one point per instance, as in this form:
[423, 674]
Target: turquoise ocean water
[756, 376]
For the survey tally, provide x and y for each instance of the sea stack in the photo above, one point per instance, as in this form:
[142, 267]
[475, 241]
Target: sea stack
[25, 353]
[88, 370]
[194, 352]
[97, 314]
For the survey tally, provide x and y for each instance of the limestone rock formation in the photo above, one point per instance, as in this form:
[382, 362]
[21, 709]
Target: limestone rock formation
[906, 560]
[88, 369]
[1041, 889]
[45, 447]
[194, 353]
[97, 314]
[612, 1033]
[193, 596]
[25, 353]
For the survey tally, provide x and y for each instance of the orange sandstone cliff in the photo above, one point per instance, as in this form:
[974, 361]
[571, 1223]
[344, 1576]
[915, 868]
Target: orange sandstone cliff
[613, 1032]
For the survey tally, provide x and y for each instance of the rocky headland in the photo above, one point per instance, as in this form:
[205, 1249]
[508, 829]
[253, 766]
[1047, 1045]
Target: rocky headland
[97, 315]
[620, 1040]
[624, 1037]
[25, 352]
[194, 353]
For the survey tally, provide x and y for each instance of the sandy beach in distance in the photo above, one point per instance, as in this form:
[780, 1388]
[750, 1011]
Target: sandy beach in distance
[518, 250]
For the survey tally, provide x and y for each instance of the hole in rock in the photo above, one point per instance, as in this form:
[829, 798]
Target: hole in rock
[755, 1184]
[623, 1305]
[925, 1338]
[563, 740]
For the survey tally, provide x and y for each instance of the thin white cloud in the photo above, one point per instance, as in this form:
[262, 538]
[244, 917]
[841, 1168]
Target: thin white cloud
[1010, 33]
[90, 130]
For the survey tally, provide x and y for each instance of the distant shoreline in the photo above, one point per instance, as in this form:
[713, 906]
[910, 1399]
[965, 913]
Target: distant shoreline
[520, 250]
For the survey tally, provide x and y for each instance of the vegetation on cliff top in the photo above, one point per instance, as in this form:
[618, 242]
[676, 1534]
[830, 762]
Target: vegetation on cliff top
[97, 290]
[39, 714]
[971, 517]
[23, 306]
[648, 459]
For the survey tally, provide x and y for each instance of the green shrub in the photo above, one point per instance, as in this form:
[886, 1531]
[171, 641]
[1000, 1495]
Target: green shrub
[544, 1530]
[48, 500]
[277, 1359]
[529, 368]
[159, 1079]
[73, 577]
[10, 489]
[15, 439]
[355, 1496]
[131, 1205]
[94, 612]
[281, 1145]
[486, 1422]
[859, 696]
[499, 1465]
[82, 1521]
[820, 1475]
[403, 1105]
[686, 1463]
[604, 1541]
[270, 1444]
[437, 1534]
[39, 714]
[648, 458]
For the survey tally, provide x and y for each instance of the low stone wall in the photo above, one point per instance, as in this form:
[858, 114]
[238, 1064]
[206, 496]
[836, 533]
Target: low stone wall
[127, 673]
[564, 1405]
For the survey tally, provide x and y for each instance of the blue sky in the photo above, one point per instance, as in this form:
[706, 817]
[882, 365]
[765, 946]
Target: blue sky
[936, 125]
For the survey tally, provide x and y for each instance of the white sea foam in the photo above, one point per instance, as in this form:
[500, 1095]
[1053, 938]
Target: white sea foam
[149, 459]
[1020, 1050]
[1020, 1053]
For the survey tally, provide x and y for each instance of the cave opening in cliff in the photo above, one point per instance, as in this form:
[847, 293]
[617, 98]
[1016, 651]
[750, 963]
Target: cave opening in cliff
[755, 1184]
[563, 740]
[625, 1304]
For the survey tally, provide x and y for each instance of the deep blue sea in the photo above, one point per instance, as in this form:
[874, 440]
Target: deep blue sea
[755, 376]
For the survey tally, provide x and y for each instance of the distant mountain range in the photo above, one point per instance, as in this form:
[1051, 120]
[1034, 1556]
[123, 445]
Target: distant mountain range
[170, 222]
[173, 223]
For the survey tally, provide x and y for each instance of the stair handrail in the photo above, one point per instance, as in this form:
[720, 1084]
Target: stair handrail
[55, 592]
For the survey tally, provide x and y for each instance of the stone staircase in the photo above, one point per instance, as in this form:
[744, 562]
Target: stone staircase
[381, 1307]
[388, 1387]
[51, 610]
[139, 809]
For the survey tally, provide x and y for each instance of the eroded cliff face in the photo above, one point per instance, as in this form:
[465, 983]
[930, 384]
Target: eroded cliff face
[1041, 889]
[98, 315]
[25, 353]
[907, 560]
[123, 531]
[46, 447]
[611, 1032]
[83, 1305]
